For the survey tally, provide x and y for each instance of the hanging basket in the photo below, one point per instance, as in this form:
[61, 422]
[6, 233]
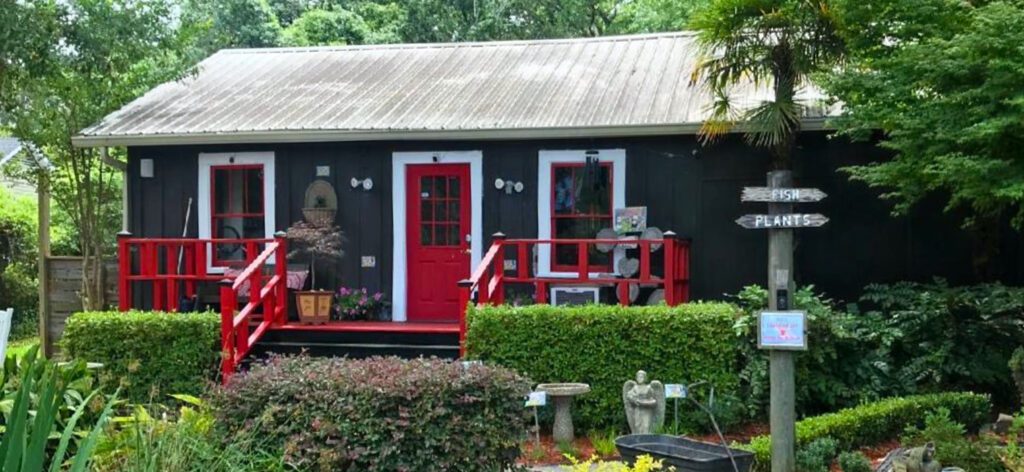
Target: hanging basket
[321, 203]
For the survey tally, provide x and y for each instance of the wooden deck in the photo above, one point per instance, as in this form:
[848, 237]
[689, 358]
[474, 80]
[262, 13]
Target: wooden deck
[372, 326]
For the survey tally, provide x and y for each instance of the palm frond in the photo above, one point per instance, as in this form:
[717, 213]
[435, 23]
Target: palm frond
[772, 123]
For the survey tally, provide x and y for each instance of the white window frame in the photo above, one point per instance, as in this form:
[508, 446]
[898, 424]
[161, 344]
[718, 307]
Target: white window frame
[547, 158]
[399, 162]
[209, 160]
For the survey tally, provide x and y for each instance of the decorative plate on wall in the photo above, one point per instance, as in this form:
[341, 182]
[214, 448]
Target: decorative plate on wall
[321, 203]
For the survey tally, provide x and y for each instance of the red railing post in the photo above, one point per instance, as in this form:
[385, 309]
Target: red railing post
[498, 297]
[583, 262]
[124, 270]
[670, 269]
[227, 321]
[465, 286]
[281, 261]
[171, 269]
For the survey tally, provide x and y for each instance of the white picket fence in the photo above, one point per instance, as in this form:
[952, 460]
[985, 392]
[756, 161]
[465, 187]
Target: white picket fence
[6, 316]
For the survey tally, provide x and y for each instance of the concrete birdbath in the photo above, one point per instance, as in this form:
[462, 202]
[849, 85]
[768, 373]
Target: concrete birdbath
[561, 395]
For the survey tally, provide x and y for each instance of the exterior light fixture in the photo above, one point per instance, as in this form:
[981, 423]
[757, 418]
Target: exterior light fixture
[508, 186]
[366, 184]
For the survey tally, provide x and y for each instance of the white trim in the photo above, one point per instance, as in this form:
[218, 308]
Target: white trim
[399, 161]
[208, 160]
[324, 135]
[545, 159]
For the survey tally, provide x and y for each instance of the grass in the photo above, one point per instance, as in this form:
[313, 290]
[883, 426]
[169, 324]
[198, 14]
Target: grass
[18, 348]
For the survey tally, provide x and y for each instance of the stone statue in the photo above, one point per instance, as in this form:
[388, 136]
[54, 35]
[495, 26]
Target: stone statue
[918, 459]
[645, 404]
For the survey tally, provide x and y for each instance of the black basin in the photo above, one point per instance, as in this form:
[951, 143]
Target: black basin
[686, 455]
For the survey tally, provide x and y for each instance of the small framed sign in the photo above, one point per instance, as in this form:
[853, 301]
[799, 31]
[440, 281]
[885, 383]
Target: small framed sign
[537, 399]
[675, 391]
[784, 330]
[630, 219]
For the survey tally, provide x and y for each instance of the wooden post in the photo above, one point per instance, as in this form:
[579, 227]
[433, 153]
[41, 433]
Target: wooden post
[43, 194]
[281, 260]
[124, 269]
[782, 410]
[669, 238]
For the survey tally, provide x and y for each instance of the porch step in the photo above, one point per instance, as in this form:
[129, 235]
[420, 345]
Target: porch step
[357, 344]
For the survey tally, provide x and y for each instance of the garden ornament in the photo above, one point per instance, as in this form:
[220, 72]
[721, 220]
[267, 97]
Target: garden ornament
[917, 459]
[645, 404]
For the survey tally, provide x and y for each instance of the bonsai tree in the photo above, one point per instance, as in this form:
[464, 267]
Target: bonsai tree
[319, 242]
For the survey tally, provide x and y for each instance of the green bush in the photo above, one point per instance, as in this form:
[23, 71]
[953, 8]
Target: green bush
[816, 456]
[19, 288]
[949, 338]
[854, 461]
[952, 448]
[873, 423]
[147, 353]
[604, 345]
[379, 414]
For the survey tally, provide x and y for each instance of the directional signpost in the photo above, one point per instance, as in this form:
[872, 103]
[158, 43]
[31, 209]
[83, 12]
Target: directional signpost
[781, 331]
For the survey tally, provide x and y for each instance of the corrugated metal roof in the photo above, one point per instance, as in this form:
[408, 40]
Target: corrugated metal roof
[8, 148]
[622, 85]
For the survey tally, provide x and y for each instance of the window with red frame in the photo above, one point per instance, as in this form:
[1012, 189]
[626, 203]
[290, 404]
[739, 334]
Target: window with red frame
[581, 201]
[237, 209]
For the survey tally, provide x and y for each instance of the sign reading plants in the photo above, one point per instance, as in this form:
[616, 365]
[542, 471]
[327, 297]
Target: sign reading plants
[782, 330]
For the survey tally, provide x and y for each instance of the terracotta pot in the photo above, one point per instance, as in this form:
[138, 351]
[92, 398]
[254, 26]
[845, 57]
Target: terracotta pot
[314, 306]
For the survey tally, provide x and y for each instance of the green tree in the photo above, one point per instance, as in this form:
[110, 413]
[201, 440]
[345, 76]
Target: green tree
[327, 27]
[774, 43]
[220, 24]
[94, 56]
[939, 84]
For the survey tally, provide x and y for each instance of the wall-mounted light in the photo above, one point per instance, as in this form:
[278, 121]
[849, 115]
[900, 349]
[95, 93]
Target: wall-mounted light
[508, 186]
[366, 183]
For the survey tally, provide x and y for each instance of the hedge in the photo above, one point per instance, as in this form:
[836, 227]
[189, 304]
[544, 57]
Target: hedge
[148, 354]
[876, 422]
[604, 345]
[379, 414]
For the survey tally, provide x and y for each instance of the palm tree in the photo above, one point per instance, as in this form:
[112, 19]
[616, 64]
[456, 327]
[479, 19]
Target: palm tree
[776, 43]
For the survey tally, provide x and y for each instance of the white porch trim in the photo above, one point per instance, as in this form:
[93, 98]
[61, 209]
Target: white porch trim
[399, 161]
[545, 159]
[208, 160]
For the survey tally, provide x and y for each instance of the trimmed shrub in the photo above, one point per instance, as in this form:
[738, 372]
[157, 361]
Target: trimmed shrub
[147, 354]
[379, 414]
[854, 461]
[873, 423]
[816, 456]
[604, 345]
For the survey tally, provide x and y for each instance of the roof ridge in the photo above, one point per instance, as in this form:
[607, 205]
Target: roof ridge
[453, 45]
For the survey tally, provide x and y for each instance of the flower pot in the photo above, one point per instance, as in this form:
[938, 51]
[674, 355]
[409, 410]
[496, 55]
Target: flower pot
[314, 306]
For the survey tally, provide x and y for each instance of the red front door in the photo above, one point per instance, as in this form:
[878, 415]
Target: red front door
[437, 229]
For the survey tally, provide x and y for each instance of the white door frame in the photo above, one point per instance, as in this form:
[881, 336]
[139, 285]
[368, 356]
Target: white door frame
[208, 160]
[545, 159]
[399, 264]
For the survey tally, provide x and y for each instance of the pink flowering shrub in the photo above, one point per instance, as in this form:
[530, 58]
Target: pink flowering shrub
[379, 414]
[358, 304]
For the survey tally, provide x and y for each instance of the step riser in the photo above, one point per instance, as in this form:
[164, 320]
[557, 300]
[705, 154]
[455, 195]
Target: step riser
[357, 344]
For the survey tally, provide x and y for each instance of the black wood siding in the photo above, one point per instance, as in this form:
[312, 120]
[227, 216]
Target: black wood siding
[690, 189]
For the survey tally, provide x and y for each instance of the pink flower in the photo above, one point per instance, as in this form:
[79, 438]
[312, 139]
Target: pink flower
[377, 296]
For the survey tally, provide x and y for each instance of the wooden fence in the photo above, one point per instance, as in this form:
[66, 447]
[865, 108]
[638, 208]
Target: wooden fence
[63, 287]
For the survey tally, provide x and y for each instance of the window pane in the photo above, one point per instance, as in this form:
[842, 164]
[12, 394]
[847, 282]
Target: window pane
[441, 187]
[453, 211]
[220, 191]
[565, 190]
[426, 187]
[594, 194]
[579, 228]
[453, 186]
[253, 191]
[440, 211]
[253, 227]
[453, 235]
[426, 238]
[426, 210]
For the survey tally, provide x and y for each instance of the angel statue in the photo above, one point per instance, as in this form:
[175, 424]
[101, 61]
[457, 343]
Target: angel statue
[645, 404]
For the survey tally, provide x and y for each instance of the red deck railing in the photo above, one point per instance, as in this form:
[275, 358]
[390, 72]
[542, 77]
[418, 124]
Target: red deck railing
[489, 279]
[173, 268]
[269, 299]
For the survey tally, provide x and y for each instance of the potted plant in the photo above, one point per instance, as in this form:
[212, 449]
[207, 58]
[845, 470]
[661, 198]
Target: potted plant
[319, 243]
[359, 304]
